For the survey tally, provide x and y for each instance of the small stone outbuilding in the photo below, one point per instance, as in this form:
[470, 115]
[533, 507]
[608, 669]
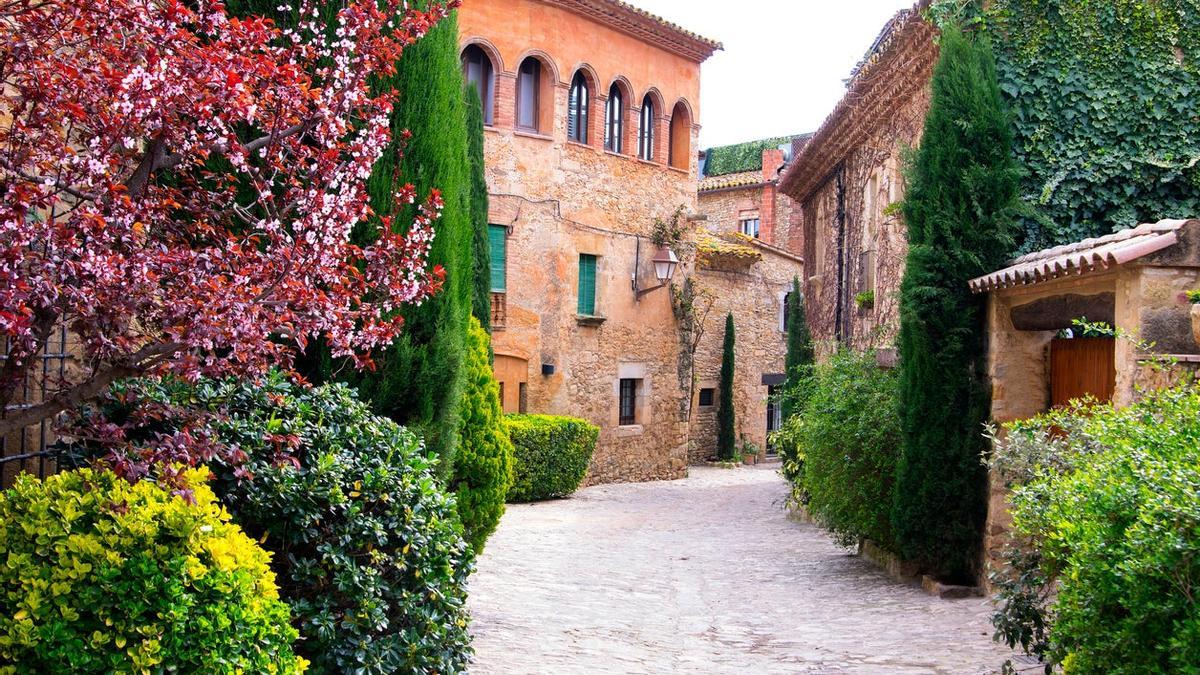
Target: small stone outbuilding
[1134, 280]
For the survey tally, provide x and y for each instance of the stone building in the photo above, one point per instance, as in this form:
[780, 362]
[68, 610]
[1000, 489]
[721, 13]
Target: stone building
[847, 181]
[746, 260]
[591, 113]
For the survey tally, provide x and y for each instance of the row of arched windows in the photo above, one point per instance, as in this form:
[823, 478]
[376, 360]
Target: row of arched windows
[533, 100]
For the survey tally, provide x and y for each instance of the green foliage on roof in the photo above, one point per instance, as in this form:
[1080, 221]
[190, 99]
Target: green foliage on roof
[740, 156]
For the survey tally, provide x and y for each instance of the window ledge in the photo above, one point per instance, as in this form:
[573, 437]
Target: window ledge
[581, 146]
[533, 134]
[628, 430]
[679, 170]
[585, 320]
[612, 153]
[648, 162]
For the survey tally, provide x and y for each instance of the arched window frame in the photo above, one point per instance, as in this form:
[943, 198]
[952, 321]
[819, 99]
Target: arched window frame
[579, 100]
[480, 72]
[614, 120]
[679, 137]
[646, 123]
[528, 98]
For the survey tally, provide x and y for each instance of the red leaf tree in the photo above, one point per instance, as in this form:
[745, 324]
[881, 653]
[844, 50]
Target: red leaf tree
[178, 186]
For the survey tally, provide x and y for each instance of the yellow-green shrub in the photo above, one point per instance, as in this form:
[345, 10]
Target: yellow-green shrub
[551, 455]
[98, 575]
[483, 463]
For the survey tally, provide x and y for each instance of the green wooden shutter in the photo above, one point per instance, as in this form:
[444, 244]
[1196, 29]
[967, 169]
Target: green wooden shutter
[498, 243]
[587, 285]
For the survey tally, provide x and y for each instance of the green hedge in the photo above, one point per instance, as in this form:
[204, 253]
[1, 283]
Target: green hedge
[106, 576]
[552, 455]
[368, 547]
[1105, 573]
[845, 442]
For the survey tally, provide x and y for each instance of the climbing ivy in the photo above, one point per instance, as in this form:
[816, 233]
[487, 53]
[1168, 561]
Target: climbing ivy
[740, 157]
[1103, 96]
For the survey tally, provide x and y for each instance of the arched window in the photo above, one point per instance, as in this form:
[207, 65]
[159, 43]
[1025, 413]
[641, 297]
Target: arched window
[478, 72]
[614, 121]
[578, 103]
[646, 130]
[529, 81]
[679, 143]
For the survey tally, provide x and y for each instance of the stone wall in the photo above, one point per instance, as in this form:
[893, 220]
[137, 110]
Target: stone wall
[857, 205]
[560, 199]
[755, 297]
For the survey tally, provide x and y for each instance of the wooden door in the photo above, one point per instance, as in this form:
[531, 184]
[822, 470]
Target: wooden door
[1080, 367]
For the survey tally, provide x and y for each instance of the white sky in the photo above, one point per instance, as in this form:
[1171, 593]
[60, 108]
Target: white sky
[784, 60]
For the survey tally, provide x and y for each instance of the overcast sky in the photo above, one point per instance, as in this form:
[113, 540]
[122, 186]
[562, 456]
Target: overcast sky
[784, 60]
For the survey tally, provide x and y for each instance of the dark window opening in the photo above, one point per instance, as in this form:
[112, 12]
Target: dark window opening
[628, 402]
[578, 103]
[707, 395]
[646, 131]
[522, 398]
[477, 70]
[614, 121]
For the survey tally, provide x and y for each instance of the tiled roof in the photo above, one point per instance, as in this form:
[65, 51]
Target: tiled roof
[898, 65]
[643, 25]
[731, 180]
[727, 251]
[1084, 257]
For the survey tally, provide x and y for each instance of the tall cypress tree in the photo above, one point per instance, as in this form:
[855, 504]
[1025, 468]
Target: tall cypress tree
[481, 298]
[418, 378]
[726, 443]
[963, 189]
[799, 343]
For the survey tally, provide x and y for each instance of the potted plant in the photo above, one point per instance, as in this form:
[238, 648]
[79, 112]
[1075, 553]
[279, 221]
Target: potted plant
[1194, 298]
[865, 300]
[749, 453]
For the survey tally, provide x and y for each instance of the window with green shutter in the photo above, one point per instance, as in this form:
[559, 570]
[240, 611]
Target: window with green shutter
[498, 242]
[587, 285]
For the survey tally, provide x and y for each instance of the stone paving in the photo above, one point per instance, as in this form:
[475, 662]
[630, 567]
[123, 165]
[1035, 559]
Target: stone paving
[703, 575]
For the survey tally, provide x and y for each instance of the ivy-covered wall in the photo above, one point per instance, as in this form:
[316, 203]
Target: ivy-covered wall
[740, 157]
[1103, 95]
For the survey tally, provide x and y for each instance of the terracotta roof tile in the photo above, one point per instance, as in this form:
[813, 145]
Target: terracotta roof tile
[1083, 257]
[643, 25]
[731, 180]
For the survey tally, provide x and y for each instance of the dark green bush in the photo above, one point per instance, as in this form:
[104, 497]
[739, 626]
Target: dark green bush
[483, 465]
[848, 433]
[368, 548]
[552, 455]
[106, 576]
[1105, 573]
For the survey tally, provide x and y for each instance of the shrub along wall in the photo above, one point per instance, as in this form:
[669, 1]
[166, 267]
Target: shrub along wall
[368, 548]
[107, 576]
[551, 455]
[845, 440]
[1105, 572]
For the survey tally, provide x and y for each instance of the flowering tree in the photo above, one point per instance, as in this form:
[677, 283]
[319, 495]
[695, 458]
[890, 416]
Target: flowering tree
[178, 186]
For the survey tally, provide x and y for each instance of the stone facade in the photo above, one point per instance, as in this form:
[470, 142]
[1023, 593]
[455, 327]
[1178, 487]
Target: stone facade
[560, 199]
[848, 183]
[753, 287]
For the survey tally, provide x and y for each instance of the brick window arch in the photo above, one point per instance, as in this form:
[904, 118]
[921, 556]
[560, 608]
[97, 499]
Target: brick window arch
[646, 122]
[480, 73]
[579, 100]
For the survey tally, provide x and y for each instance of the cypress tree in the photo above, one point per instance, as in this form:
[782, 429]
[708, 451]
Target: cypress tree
[417, 380]
[799, 343]
[481, 299]
[726, 443]
[963, 188]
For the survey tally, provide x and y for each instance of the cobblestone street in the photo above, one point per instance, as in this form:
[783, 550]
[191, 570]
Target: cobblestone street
[703, 575]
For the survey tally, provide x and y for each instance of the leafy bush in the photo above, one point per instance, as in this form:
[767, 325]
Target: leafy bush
[551, 455]
[367, 546]
[102, 576]
[1105, 573]
[848, 432]
[483, 465]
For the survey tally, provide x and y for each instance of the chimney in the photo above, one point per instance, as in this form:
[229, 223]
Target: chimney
[772, 159]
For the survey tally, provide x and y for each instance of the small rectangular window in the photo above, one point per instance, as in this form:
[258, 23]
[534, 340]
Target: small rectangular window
[498, 258]
[749, 227]
[501, 394]
[522, 398]
[706, 397]
[627, 411]
[587, 285]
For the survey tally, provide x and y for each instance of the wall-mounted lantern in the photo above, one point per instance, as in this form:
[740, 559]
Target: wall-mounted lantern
[665, 261]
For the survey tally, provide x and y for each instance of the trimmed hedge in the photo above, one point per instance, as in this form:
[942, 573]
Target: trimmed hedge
[103, 576]
[552, 455]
